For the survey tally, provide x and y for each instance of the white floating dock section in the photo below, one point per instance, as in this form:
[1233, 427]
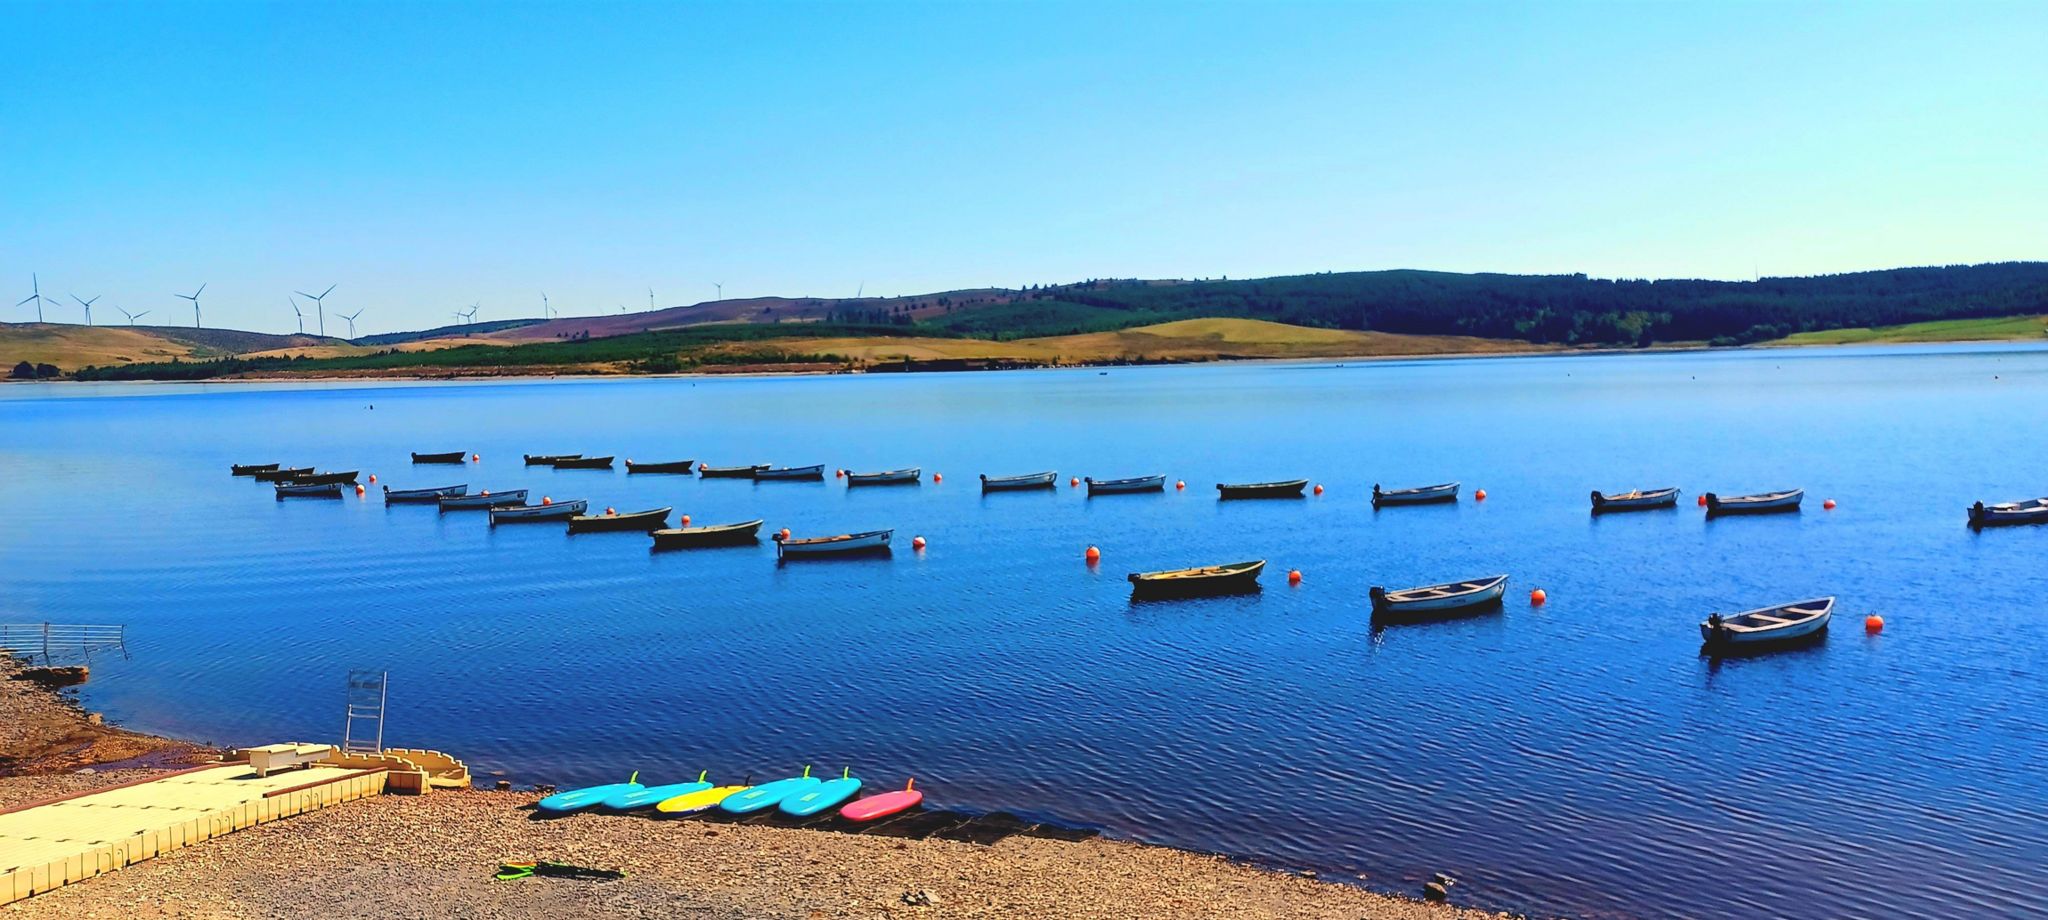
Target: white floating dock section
[49, 844]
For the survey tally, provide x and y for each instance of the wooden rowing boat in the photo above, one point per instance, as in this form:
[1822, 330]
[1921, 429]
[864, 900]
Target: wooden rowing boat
[815, 471]
[453, 456]
[1448, 599]
[1421, 495]
[1018, 483]
[1777, 625]
[712, 535]
[1133, 484]
[584, 463]
[308, 490]
[547, 459]
[872, 541]
[1636, 500]
[347, 477]
[904, 477]
[250, 469]
[636, 520]
[1288, 489]
[282, 473]
[422, 496]
[534, 514]
[2031, 511]
[484, 499]
[1234, 578]
[1761, 503]
[669, 466]
[729, 472]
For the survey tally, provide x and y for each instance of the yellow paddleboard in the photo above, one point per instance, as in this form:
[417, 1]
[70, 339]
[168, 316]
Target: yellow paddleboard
[698, 801]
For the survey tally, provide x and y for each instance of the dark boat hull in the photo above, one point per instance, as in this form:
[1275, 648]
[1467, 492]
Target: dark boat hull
[686, 538]
[450, 457]
[251, 469]
[727, 472]
[584, 463]
[282, 473]
[322, 479]
[547, 459]
[1262, 489]
[679, 466]
[1207, 587]
[642, 521]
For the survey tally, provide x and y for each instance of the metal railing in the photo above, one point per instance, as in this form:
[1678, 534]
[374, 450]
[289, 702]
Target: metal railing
[49, 641]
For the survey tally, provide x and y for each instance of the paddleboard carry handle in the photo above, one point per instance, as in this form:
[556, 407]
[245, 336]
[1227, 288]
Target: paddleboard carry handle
[807, 771]
[702, 774]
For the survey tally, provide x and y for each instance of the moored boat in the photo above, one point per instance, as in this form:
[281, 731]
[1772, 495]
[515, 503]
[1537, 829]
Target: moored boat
[547, 459]
[453, 456]
[669, 466]
[729, 472]
[1132, 484]
[1290, 488]
[1018, 483]
[282, 473]
[815, 471]
[637, 520]
[1768, 625]
[711, 535]
[1635, 500]
[346, 477]
[422, 496]
[873, 541]
[1760, 503]
[250, 469]
[1420, 495]
[532, 514]
[1446, 599]
[2032, 511]
[583, 463]
[910, 477]
[308, 490]
[1232, 578]
[484, 499]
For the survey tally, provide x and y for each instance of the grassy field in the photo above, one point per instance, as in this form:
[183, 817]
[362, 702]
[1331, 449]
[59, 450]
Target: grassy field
[69, 347]
[1997, 329]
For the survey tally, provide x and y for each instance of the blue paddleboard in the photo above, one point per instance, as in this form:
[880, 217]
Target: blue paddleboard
[767, 795]
[630, 799]
[562, 803]
[825, 795]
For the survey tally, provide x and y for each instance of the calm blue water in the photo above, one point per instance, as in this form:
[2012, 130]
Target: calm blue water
[1576, 758]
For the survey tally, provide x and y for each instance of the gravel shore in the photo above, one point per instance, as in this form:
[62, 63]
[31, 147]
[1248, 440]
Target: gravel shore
[433, 857]
[43, 731]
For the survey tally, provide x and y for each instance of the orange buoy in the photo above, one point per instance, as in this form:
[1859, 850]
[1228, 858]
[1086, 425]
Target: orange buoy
[838, 474]
[545, 500]
[938, 478]
[1180, 484]
[783, 534]
[359, 490]
[1873, 624]
[373, 477]
[1537, 597]
[1829, 504]
[686, 520]
[611, 512]
[1073, 481]
[485, 493]
[1319, 488]
[1703, 501]
[1294, 576]
[1093, 554]
[476, 458]
[917, 543]
[1479, 495]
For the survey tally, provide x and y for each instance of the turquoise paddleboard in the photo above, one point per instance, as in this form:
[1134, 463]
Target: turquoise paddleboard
[629, 799]
[578, 799]
[768, 795]
[825, 795]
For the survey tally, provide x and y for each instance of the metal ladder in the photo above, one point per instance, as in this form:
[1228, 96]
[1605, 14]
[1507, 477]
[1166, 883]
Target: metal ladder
[366, 694]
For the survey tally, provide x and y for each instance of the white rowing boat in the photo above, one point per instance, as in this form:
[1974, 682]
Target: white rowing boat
[1133, 484]
[1635, 500]
[2032, 511]
[422, 496]
[1766, 625]
[1420, 495]
[1760, 503]
[529, 514]
[901, 477]
[484, 499]
[871, 541]
[1435, 600]
[1017, 483]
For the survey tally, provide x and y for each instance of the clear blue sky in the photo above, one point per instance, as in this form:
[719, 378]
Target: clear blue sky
[427, 155]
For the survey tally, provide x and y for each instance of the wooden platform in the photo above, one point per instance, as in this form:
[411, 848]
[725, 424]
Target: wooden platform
[46, 845]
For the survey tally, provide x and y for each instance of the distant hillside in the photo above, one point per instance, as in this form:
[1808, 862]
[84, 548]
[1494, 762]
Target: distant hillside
[70, 347]
[446, 332]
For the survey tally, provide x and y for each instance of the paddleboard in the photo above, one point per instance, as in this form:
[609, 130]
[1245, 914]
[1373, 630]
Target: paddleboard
[579, 799]
[642, 798]
[884, 805]
[828, 794]
[697, 801]
[768, 795]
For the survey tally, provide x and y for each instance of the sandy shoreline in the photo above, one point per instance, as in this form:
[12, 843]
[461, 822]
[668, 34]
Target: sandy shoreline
[434, 856]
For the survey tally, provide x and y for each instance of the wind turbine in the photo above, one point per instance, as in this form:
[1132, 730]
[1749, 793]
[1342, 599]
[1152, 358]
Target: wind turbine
[37, 285]
[132, 317]
[721, 289]
[650, 300]
[351, 317]
[546, 312]
[472, 311]
[194, 297]
[87, 304]
[320, 306]
[301, 314]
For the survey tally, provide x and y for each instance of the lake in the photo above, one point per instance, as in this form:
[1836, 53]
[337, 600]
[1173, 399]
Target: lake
[1580, 757]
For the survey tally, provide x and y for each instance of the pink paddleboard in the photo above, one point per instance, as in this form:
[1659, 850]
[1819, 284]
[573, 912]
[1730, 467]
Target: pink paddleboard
[882, 806]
